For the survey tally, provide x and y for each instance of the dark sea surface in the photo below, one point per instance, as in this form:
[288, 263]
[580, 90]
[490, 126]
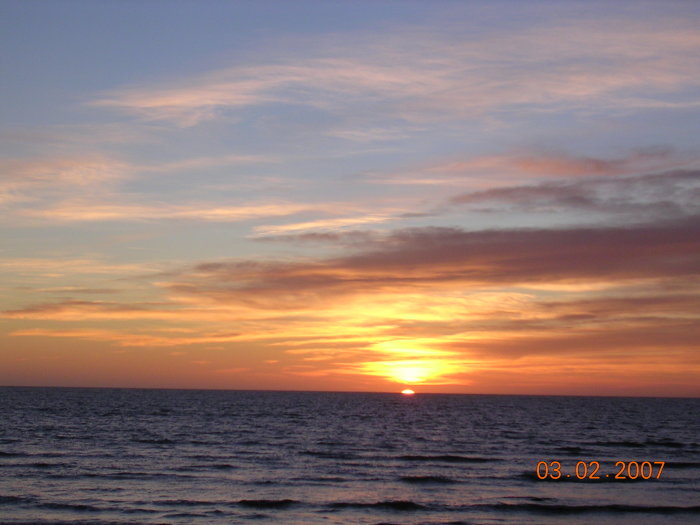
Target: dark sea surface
[113, 456]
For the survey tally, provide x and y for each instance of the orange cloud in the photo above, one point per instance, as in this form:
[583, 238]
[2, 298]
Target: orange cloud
[127, 338]
[336, 223]
[432, 306]
[84, 211]
[61, 267]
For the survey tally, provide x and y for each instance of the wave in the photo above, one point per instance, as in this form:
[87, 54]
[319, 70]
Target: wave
[67, 522]
[183, 502]
[36, 465]
[268, 503]
[664, 442]
[321, 479]
[133, 475]
[205, 457]
[12, 454]
[330, 455]
[459, 522]
[531, 507]
[185, 515]
[532, 476]
[221, 466]
[447, 458]
[669, 443]
[390, 504]
[43, 464]
[581, 509]
[571, 450]
[216, 466]
[159, 441]
[682, 464]
[623, 444]
[79, 507]
[427, 479]
[30, 454]
[14, 500]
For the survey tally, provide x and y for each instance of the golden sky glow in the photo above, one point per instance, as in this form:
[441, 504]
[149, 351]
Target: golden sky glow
[494, 197]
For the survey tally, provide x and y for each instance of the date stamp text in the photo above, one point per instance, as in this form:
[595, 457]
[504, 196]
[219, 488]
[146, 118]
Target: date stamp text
[623, 470]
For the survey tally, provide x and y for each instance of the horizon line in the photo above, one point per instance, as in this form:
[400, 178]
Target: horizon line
[397, 392]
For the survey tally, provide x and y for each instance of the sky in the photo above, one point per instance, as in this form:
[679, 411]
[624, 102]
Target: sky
[457, 197]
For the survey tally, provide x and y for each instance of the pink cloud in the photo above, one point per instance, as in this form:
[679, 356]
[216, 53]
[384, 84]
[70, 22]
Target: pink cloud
[591, 64]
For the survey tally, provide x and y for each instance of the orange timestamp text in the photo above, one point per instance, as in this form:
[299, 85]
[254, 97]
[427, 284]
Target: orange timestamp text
[552, 470]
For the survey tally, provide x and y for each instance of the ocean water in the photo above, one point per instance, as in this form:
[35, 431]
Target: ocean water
[121, 456]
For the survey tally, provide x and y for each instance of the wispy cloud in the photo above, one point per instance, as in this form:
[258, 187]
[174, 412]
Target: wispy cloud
[85, 211]
[78, 310]
[27, 181]
[200, 163]
[85, 185]
[128, 339]
[495, 170]
[91, 188]
[334, 224]
[418, 77]
[63, 267]
[643, 160]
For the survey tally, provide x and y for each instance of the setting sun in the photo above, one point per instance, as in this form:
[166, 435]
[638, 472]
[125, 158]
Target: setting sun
[407, 392]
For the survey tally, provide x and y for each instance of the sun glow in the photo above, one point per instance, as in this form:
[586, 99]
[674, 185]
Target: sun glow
[407, 392]
[413, 371]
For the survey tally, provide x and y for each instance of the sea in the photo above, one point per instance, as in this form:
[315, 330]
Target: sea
[128, 456]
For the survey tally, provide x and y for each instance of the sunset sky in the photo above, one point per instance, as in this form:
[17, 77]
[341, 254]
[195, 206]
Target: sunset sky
[451, 196]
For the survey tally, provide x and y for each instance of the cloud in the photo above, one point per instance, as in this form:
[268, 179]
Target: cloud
[126, 339]
[490, 170]
[63, 267]
[418, 76]
[86, 211]
[663, 342]
[430, 305]
[653, 306]
[78, 290]
[31, 181]
[174, 310]
[336, 223]
[319, 83]
[423, 288]
[60, 171]
[660, 195]
[200, 163]
[641, 160]
[88, 188]
[78, 310]
[414, 259]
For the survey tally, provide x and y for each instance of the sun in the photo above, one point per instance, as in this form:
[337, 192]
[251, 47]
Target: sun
[407, 392]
